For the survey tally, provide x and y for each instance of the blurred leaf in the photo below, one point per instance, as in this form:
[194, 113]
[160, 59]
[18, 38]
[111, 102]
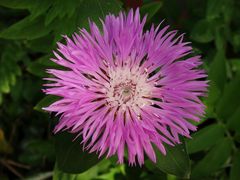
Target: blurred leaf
[205, 138]
[218, 72]
[45, 102]
[235, 64]
[9, 69]
[36, 151]
[235, 170]
[40, 176]
[214, 8]
[214, 160]
[26, 29]
[228, 9]
[229, 101]
[236, 42]
[111, 173]
[70, 155]
[150, 9]
[4, 145]
[175, 162]
[202, 31]
[220, 9]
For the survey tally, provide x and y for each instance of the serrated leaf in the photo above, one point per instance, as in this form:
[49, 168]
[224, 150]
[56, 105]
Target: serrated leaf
[61, 8]
[202, 31]
[235, 170]
[150, 9]
[229, 101]
[175, 162]
[214, 160]
[70, 155]
[39, 7]
[45, 102]
[205, 138]
[26, 29]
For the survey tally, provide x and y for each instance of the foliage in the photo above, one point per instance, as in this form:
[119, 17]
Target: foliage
[29, 31]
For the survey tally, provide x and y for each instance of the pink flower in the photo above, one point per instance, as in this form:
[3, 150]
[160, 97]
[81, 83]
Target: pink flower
[125, 89]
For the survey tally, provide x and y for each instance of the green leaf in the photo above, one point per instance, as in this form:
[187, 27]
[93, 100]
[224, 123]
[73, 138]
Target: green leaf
[229, 101]
[45, 102]
[87, 9]
[233, 122]
[61, 8]
[151, 9]
[26, 29]
[92, 173]
[220, 39]
[95, 9]
[218, 72]
[88, 175]
[39, 66]
[214, 160]
[205, 138]
[39, 7]
[16, 4]
[202, 31]
[70, 155]
[175, 162]
[235, 170]
[212, 99]
[44, 44]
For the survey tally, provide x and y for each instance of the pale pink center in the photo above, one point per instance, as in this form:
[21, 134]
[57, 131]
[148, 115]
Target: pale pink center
[128, 88]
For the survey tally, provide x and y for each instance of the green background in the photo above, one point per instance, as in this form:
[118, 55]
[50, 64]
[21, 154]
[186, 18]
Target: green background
[29, 30]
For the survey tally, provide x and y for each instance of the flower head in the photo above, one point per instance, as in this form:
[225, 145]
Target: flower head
[125, 89]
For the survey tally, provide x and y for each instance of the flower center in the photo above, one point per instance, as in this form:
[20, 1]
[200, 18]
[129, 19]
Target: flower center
[128, 88]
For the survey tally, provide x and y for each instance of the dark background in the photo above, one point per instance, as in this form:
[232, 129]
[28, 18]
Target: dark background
[29, 30]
